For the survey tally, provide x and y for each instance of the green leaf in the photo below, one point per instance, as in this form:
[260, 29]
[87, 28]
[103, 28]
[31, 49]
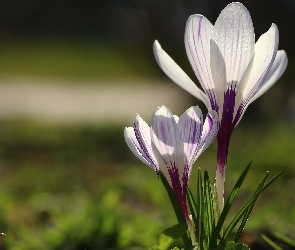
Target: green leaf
[192, 205]
[285, 239]
[230, 246]
[209, 208]
[249, 210]
[169, 237]
[177, 210]
[228, 205]
[271, 243]
[242, 211]
[200, 227]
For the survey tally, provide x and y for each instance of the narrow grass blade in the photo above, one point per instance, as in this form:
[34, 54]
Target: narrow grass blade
[271, 243]
[177, 209]
[209, 208]
[200, 211]
[192, 205]
[242, 211]
[285, 239]
[227, 206]
[248, 211]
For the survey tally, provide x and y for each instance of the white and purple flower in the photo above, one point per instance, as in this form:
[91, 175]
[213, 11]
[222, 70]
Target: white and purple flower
[232, 69]
[171, 145]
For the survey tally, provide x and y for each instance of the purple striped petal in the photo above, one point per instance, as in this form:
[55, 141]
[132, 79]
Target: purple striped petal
[134, 146]
[190, 125]
[259, 70]
[143, 135]
[197, 44]
[218, 71]
[225, 130]
[167, 144]
[233, 35]
[169, 151]
[177, 75]
[265, 53]
[210, 130]
[273, 74]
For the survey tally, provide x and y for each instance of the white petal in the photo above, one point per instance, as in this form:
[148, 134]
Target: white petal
[190, 125]
[210, 130]
[143, 135]
[176, 118]
[176, 74]
[233, 34]
[265, 52]
[168, 146]
[218, 71]
[197, 44]
[273, 74]
[135, 147]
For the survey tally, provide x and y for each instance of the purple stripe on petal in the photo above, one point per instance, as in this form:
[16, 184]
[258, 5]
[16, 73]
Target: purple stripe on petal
[134, 146]
[179, 190]
[200, 25]
[199, 66]
[226, 128]
[239, 113]
[190, 125]
[209, 132]
[166, 140]
[142, 134]
[197, 42]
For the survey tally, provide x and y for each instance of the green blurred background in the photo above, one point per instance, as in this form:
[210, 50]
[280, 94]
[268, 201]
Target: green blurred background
[72, 76]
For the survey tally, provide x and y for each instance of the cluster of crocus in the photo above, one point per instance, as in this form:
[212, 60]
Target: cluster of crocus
[171, 145]
[233, 71]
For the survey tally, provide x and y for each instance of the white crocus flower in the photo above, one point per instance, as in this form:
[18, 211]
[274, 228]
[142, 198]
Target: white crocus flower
[232, 69]
[171, 145]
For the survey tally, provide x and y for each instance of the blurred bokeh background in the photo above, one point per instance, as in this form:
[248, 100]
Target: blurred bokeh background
[72, 76]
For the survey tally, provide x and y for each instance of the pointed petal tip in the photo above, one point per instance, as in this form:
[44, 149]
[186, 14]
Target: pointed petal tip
[274, 27]
[128, 134]
[176, 118]
[156, 44]
[138, 120]
[196, 110]
[157, 50]
[271, 33]
[127, 130]
[163, 111]
[137, 117]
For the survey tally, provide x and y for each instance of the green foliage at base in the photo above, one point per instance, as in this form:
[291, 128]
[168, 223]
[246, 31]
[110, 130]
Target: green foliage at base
[79, 187]
[207, 229]
[171, 237]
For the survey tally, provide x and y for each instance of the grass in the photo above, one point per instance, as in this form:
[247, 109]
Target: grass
[80, 187]
[75, 61]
